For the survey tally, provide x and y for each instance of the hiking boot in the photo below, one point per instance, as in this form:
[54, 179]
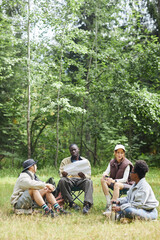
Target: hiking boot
[125, 220]
[86, 208]
[74, 206]
[107, 212]
[50, 213]
[62, 211]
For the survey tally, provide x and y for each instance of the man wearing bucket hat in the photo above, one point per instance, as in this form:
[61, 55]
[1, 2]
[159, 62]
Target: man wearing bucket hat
[116, 176]
[29, 189]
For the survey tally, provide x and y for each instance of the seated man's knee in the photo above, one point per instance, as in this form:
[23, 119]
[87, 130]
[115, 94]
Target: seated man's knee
[62, 181]
[103, 181]
[128, 212]
[88, 181]
[116, 185]
[88, 184]
[33, 192]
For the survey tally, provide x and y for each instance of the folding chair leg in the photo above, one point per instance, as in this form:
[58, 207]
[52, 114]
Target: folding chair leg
[77, 196]
[110, 194]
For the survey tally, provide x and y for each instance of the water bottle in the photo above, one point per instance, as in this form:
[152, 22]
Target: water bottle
[113, 214]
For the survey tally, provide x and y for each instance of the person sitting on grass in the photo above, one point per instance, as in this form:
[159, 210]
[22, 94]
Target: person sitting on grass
[116, 176]
[80, 180]
[29, 190]
[140, 202]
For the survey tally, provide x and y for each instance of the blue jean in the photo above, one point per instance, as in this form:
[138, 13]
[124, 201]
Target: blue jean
[131, 213]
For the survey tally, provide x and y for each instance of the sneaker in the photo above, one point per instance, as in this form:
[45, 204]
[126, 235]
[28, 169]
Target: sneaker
[107, 212]
[74, 206]
[86, 208]
[118, 217]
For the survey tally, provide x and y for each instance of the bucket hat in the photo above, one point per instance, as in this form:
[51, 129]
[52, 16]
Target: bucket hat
[28, 163]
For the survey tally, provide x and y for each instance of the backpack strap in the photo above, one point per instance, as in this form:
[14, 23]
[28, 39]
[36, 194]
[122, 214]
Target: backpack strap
[35, 177]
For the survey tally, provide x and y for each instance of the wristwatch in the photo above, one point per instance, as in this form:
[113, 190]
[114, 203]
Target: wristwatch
[115, 180]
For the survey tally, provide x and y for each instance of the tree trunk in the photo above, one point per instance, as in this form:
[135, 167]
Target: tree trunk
[95, 152]
[86, 103]
[81, 135]
[159, 20]
[57, 130]
[57, 126]
[29, 97]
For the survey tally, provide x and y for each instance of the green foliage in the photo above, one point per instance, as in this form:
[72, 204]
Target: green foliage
[102, 60]
[11, 78]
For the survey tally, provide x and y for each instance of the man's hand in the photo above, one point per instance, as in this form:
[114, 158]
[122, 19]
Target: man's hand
[109, 180]
[116, 208]
[50, 187]
[82, 175]
[117, 202]
[64, 174]
[105, 177]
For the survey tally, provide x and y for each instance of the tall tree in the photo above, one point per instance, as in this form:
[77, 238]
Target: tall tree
[154, 11]
[12, 75]
[29, 84]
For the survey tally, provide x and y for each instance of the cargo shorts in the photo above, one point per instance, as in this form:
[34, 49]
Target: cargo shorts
[25, 201]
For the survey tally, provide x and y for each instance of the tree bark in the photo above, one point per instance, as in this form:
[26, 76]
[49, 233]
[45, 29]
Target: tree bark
[57, 130]
[33, 146]
[95, 152]
[81, 135]
[57, 126]
[159, 20]
[28, 71]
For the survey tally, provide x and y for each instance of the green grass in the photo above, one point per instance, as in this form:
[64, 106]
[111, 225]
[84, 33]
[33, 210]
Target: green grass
[77, 226]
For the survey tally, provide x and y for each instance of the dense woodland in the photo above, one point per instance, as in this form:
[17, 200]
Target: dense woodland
[79, 71]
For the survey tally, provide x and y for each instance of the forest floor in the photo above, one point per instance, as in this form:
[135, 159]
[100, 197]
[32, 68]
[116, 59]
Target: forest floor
[77, 226]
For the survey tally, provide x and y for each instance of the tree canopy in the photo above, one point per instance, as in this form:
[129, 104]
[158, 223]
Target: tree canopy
[94, 79]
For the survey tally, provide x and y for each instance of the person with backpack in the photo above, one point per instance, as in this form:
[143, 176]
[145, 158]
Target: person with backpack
[29, 190]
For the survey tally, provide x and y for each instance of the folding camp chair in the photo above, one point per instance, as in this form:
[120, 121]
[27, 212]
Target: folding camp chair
[121, 192]
[76, 193]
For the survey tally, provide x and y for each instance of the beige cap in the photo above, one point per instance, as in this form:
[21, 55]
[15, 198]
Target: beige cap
[118, 146]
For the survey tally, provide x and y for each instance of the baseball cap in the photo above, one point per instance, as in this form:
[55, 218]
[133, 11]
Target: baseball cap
[118, 146]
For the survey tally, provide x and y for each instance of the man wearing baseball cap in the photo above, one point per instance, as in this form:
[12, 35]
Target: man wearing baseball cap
[29, 189]
[116, 176]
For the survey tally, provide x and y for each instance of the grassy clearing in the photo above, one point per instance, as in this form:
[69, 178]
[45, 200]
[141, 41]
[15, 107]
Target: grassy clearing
[94, 226]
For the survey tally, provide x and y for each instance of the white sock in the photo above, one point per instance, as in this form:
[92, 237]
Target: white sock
[108, 200]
